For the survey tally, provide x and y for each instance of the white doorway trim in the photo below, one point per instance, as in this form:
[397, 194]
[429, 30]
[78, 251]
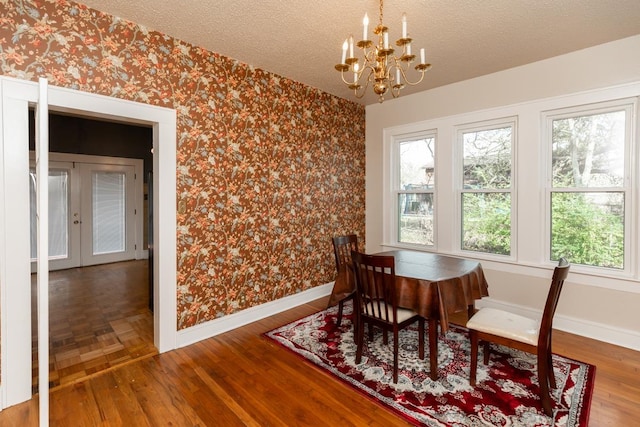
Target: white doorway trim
[15, 279]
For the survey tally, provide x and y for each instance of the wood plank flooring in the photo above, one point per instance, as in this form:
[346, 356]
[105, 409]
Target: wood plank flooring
[98, 318]
[242, 379]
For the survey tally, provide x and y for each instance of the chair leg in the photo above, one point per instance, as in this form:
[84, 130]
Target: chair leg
[473, 367]
[433, 349]
[340, 307]
[395, 355]
[486, 351]
[552, 375]
[421, 338]
[543, 380]
[360, 340]
[356, 322]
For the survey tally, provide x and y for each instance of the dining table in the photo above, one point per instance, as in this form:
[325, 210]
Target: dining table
[433, 285]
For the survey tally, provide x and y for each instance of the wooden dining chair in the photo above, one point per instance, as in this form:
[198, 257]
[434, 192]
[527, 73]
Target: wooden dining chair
[522, 333]
[342, 247]
[377, 304]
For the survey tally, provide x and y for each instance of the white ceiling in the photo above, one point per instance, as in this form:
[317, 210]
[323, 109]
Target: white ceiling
[302, 39]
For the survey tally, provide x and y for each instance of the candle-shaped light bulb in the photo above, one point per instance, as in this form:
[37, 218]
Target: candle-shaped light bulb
[356, 67]
[351, 46]
[422, 61]
[397, 76]
[345, 46]
[404, 25]
[408, 48]
[385, 38]
[365, 25]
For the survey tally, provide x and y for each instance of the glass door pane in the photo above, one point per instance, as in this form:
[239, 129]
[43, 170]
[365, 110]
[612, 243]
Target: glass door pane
[107, 213]
[58, 213]
[108, 210]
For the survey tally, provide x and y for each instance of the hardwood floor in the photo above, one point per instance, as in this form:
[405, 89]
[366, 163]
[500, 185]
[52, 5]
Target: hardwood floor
[242, 379]
[98, 318]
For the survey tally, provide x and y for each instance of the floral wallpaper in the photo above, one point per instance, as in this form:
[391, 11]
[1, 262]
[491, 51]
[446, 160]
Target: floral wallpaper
[269, 169]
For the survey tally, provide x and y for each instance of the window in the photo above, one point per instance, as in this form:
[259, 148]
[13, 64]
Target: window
[486, 199]
[58, 213]
[414, 190]
[589, 194]
[109, 212]
[519, 186]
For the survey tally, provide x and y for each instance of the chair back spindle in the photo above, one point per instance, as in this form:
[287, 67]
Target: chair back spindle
[342, 247]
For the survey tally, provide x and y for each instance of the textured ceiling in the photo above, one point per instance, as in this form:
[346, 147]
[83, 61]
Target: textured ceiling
[302, 39]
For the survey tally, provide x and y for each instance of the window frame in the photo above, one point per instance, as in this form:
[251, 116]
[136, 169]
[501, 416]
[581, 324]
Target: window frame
[478, 126]
[531, 186]
[395, 190]
[628, 189]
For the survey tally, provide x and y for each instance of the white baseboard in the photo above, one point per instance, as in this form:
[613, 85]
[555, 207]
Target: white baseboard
[586, 328]
[218, 326]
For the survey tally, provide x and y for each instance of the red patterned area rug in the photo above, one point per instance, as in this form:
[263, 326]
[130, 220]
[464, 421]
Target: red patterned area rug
[506, 393]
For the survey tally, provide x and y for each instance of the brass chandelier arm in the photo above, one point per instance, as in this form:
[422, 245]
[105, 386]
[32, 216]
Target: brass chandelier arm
[356, 86]
[421, 68]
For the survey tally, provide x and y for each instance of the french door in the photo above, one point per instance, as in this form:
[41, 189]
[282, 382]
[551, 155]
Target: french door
[92, 214]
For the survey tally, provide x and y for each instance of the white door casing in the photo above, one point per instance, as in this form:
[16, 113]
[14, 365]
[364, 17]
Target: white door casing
[16, 97]
[42, 238]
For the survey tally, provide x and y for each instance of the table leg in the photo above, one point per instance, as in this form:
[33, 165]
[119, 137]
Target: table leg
[433, 348]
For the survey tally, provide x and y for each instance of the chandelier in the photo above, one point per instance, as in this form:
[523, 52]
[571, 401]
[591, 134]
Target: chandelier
[379, 63]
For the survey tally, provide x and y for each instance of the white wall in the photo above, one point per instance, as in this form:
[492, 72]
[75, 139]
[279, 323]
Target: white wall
[588, 306]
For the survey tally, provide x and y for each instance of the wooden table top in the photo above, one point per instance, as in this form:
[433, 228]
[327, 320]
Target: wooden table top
[429, 266]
